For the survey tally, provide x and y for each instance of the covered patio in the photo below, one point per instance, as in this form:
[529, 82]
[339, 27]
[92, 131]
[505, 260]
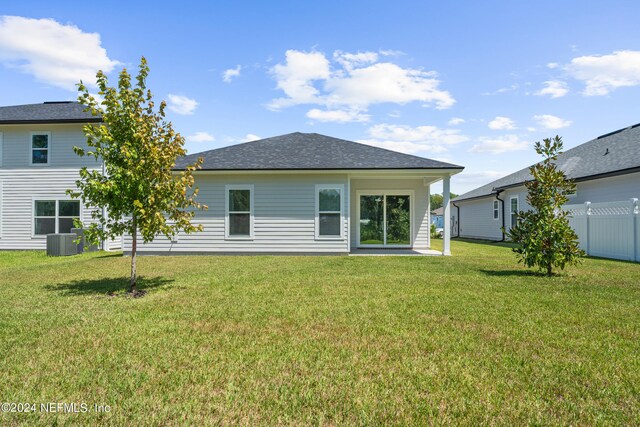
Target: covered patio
[390, 212]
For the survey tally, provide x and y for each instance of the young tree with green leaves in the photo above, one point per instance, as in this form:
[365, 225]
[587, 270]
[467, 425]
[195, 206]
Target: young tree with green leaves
[543, 234]
[137, 192]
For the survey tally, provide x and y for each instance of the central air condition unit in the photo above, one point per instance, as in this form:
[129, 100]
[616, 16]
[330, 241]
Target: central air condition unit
[81, 246]
[63, 244]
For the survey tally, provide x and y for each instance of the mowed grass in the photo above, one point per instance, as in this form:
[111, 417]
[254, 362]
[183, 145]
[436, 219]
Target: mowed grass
[467, 339]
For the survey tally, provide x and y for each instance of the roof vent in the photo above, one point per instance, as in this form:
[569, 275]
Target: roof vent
[606, 152]
[58, 102]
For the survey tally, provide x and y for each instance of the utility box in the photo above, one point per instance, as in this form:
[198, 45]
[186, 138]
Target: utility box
[80, 233]
[62, 244]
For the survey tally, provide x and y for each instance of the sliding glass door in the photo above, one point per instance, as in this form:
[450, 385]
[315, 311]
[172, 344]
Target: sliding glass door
[384, 220]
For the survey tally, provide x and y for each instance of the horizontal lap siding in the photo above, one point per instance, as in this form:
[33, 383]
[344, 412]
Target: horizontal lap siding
[19, 187]
[421, 232]
[284, 217]
[476, 219]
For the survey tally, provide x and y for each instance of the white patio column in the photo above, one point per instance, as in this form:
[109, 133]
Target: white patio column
[446, 214]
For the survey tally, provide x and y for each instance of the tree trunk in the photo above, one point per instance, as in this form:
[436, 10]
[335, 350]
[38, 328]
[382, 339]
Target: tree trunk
[549, 269]
[134, 244]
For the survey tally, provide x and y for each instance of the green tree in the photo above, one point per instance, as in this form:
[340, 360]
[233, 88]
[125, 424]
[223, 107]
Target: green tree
[137, 192]
[545, 239]
[437, 200]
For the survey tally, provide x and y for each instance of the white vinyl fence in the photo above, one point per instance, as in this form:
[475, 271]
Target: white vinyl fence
[608, 230]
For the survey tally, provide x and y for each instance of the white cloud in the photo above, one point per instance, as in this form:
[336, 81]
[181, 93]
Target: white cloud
[296, 77]
[55, 54]
[553, 88]
[455, 121]
[231, 73]
[413, 140]
[251, 137]
[338, 116]
[354, 83]
[552, 65]
[181, 104]
[602, 74]
[499, 145]
[502, 123]
[201, 137]
[551, 122]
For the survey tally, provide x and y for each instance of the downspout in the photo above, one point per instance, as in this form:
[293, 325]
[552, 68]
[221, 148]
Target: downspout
[502, 204]
[458, 217]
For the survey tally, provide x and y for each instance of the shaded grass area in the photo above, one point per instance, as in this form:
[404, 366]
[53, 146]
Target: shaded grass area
[467, 339]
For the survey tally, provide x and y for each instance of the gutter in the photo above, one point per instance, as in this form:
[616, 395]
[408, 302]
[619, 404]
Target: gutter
[502, 203]
[457, 216]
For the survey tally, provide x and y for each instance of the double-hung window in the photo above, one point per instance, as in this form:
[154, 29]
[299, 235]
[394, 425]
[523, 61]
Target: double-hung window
[54, 216]
[329, 211]
[496, 210]
[239, 212]
[39, 148]
[514, 211]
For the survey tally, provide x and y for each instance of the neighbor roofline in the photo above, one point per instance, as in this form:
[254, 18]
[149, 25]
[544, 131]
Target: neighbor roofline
[50, 121]
[618, 172]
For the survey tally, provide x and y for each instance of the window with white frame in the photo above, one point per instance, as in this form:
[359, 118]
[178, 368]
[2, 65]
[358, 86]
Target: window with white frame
[329, 211]
[514, 211]
[54, 216]
[496, 210]
[40, 146]
[239, 215]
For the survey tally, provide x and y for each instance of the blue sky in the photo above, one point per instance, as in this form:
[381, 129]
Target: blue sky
[473, 83]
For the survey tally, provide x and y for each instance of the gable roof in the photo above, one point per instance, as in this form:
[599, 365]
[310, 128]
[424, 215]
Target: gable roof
[614, 153]
[307, 151]
[48, 112]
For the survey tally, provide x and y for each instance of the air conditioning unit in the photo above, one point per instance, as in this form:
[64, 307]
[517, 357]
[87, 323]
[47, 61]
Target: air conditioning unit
[63, 244]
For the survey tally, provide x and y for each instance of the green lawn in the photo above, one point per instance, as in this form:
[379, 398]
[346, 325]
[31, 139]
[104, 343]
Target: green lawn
[467, 339]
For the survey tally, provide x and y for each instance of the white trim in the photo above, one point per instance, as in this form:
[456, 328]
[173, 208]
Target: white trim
[251, 212]
[1, 207]
[386, 193]
[30, 146]
[348, 200]
[57, 217]
[517, 199]
[340, 188]
[496, 209]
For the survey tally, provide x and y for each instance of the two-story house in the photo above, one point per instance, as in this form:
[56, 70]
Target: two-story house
[37, 166]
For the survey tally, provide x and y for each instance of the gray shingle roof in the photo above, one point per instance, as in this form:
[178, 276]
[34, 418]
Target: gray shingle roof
[307, 151]
[48, 112]
[615, 152]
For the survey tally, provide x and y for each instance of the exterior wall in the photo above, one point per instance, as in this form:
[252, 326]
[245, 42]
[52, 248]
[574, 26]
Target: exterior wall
[284, 217]
[16, 150]
[476, 216]
[21, 184]
[18, 189]
[476, 219]
[421, 221]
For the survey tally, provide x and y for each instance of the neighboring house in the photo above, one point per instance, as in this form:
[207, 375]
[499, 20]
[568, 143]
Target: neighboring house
[37, 166]
[305, 193]
[437, 217]
[606, 169]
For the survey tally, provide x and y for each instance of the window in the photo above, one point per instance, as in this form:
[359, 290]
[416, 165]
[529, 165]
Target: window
[496, 210]
[329, 212]
[54, 216]
[514, 211]
[39, 148]
[239, 207]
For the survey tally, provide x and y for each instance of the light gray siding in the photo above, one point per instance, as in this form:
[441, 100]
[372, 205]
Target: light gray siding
[476, 219]
[476, 216]
[19, 188]
[421, 232]
[16, 146]
[284, 217]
